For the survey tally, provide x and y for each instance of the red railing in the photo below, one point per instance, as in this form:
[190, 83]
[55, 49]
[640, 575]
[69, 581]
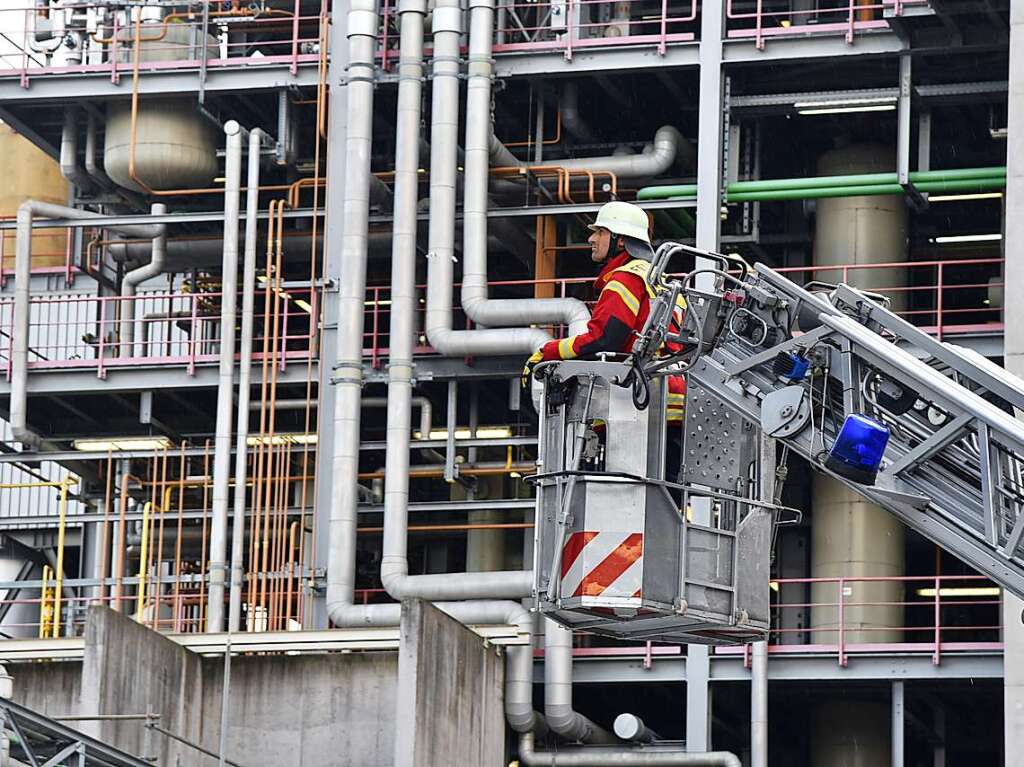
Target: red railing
[567, 25]
[169, 329]
[944, 298]
[92, 37]
[932, 614]
[763, 19]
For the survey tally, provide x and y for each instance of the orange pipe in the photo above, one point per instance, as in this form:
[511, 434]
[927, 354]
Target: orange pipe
[544, 142]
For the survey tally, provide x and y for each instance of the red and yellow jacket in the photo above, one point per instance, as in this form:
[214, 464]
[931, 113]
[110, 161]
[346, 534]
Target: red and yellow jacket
[624, 301]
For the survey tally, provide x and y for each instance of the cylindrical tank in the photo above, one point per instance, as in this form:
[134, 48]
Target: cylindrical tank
[850, 537]
[175, 146]
[27, 172]
[851, 734]
[861, 230]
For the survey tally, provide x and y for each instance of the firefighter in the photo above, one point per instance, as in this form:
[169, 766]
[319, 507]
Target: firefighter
[620, 242]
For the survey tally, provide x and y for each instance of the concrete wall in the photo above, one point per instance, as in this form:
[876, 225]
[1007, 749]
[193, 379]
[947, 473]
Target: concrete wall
[450, 701]
[334, 710]
[329, 710]
[129, 669]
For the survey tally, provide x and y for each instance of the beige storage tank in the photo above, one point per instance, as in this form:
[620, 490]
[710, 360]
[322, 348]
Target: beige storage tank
[849, 536]
[28, 172]
[176, 147]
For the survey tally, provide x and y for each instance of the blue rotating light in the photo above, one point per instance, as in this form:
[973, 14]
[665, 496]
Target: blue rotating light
[858, 450]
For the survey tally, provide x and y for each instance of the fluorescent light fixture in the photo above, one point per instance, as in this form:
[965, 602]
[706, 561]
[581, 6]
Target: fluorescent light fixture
[304, 305]
[282, 439]
[958, 197]
[774, 586]
[482, 432]
[959, 238]
[122, 443]
[961, 591]
[847, 110]
[864, 101]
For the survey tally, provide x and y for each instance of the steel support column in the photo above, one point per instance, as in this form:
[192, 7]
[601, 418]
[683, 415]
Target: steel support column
[333, 274]
[709, 207]
[898, 711]
[1013, 240]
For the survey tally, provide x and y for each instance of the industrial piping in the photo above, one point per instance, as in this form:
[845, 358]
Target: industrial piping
[425, 406]
[252, 203]
[225, 381]
[669, 147]
[157, 261]
[22, 279]
[475, 302]
[620, 757]
[362, 29]
[69, 167]
[558, 710]
[447, 29]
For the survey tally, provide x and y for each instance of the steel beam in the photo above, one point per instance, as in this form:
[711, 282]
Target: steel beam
[86, 86]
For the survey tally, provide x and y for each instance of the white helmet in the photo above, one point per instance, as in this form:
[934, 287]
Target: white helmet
[623, 218]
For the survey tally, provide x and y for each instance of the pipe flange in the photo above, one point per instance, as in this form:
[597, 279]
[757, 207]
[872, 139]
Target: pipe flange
[412, 6]
[362, 23]
[447, 19]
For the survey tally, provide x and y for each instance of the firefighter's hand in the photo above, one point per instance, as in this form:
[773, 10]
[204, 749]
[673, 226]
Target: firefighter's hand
[535, 358]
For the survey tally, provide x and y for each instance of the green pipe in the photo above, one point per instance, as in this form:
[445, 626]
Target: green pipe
[965, 185]
[861, 181]
[667, 226]
[683, 218]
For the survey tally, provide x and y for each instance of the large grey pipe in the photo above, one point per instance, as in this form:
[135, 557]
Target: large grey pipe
[447, 31]
[625, 757]
[155, 266]
[69, 167]
[475, 301]
[94, 170]
[558, 710]
[22, 279]
[225, 380]
[341, 566]
[424, 405]
[252, 204]
[668, 148]
[569, 106]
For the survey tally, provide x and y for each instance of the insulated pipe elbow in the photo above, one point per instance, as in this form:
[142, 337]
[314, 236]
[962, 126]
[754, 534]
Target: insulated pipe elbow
[620, 757]
[155, 267]
[558, 710]
[69, 168]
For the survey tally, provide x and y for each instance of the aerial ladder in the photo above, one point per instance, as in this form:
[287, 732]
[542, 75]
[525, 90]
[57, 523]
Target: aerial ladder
[629, 548]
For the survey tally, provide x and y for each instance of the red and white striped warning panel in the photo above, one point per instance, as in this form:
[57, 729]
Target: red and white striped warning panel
[606, 564]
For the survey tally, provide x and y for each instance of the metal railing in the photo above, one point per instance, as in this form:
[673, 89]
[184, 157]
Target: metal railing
[96, 37]
[763, 19]
[944, 298]
[169, 329]
[947, 298]
[940, 614]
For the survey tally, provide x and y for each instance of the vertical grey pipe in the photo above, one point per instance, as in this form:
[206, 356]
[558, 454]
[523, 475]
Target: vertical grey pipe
[444, 133]
[252, 204]
[759, 705]
[94, 170]
[558, 710]
[225, 381]
[155, 266]
[403, 284]
[18, 410]
[69, 167]
[362, 39]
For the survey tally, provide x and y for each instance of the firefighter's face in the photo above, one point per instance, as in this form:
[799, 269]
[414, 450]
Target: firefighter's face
[600, 244]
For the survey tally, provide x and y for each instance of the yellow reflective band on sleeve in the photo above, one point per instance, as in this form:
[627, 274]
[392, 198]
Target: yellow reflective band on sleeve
[565, 350]
[631, 301]
[675, 407]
